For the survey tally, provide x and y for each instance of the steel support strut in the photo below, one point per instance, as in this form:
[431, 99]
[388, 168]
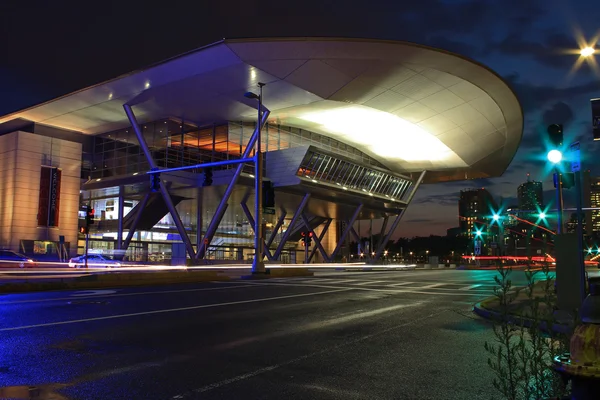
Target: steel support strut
[321, 236]
[164, 191]
[399, 217]
[136, 221]
[349, 226]
[216, 220]
[252, 224]
[286, 234]
[317, 241]
[277, 227]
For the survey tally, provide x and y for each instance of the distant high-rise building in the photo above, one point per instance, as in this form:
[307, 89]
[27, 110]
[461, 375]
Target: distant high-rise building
[475, 208]
[595, 203]
[530, 196]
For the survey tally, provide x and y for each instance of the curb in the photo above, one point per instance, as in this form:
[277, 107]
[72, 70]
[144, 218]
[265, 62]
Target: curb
[512, 319]
[109, 281]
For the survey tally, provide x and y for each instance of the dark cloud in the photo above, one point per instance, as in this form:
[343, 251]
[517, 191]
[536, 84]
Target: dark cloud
[550, 52]
[532, 97]
[559, 113]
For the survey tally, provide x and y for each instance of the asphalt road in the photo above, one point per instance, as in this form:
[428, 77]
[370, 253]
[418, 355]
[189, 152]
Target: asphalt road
[338, 335]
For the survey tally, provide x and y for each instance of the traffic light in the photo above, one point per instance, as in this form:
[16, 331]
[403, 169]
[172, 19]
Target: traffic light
[89, 217]
[154, 182]
[555, 134]
[568, 180]
[268, 194]
[208, 177]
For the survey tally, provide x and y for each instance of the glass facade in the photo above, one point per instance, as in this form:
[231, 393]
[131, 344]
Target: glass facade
[176, 144]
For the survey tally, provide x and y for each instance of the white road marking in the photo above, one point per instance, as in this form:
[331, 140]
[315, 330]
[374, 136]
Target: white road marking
[225, 382]
[401, 284]
[93, 292]
[368, 283]
[16, 328]
[341, 281]
[391, 290]
[133, 294]
[470, 287]
[432, 286]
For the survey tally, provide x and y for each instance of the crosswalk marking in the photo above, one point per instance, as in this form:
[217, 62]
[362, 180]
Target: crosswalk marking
[470, 287]
[368, 283]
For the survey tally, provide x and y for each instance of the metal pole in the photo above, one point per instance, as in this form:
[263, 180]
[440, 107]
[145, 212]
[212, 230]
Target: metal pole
[559, 202]
[580, 257]
[120, 216]
[199, 220]
[306, 249]
[258, 265]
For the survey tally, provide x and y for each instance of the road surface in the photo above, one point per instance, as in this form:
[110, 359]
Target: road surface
[338, 335]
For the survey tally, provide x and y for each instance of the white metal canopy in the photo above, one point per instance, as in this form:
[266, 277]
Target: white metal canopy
[411, 107]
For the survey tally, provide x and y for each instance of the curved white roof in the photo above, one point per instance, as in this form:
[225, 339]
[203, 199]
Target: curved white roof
[408, 106]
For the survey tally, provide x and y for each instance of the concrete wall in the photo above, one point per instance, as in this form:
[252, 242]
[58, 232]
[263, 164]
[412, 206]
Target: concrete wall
[22, 155]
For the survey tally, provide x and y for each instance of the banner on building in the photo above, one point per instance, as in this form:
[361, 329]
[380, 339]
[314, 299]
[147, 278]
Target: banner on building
[49, 201]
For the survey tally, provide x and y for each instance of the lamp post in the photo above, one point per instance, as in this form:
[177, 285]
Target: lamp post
[258, 265]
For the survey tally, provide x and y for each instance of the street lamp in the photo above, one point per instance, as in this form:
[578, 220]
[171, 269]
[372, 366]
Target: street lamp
[554, 156]
[587, 51]
[258, 266]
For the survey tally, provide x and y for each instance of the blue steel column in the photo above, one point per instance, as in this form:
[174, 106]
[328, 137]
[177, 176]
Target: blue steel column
[216, 220]
[165, 193]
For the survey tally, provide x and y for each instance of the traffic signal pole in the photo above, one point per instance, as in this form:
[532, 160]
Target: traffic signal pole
[559, 202]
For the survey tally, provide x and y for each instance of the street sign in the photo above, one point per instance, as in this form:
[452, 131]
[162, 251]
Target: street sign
[575, 157]
[477, 247]
[269, 210]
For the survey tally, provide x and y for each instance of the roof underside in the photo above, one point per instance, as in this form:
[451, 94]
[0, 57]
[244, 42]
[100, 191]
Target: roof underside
[410, 107]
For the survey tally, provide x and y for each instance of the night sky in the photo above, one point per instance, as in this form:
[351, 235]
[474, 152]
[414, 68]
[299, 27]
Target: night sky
[53, 48]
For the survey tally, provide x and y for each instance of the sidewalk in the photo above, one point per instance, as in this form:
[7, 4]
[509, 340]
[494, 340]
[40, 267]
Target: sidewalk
[519, 310]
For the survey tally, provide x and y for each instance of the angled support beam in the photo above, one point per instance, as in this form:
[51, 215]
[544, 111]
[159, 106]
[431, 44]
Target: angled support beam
[399, 216]
[216, 220]
[180, 228]
[136, 222]
[384, 242]
[277, 227]
[321, 236]
[356, 237]
[163, 190]
[286, 235]
[317, 241]
[266, 250]
[349, 226]
[382, 231]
